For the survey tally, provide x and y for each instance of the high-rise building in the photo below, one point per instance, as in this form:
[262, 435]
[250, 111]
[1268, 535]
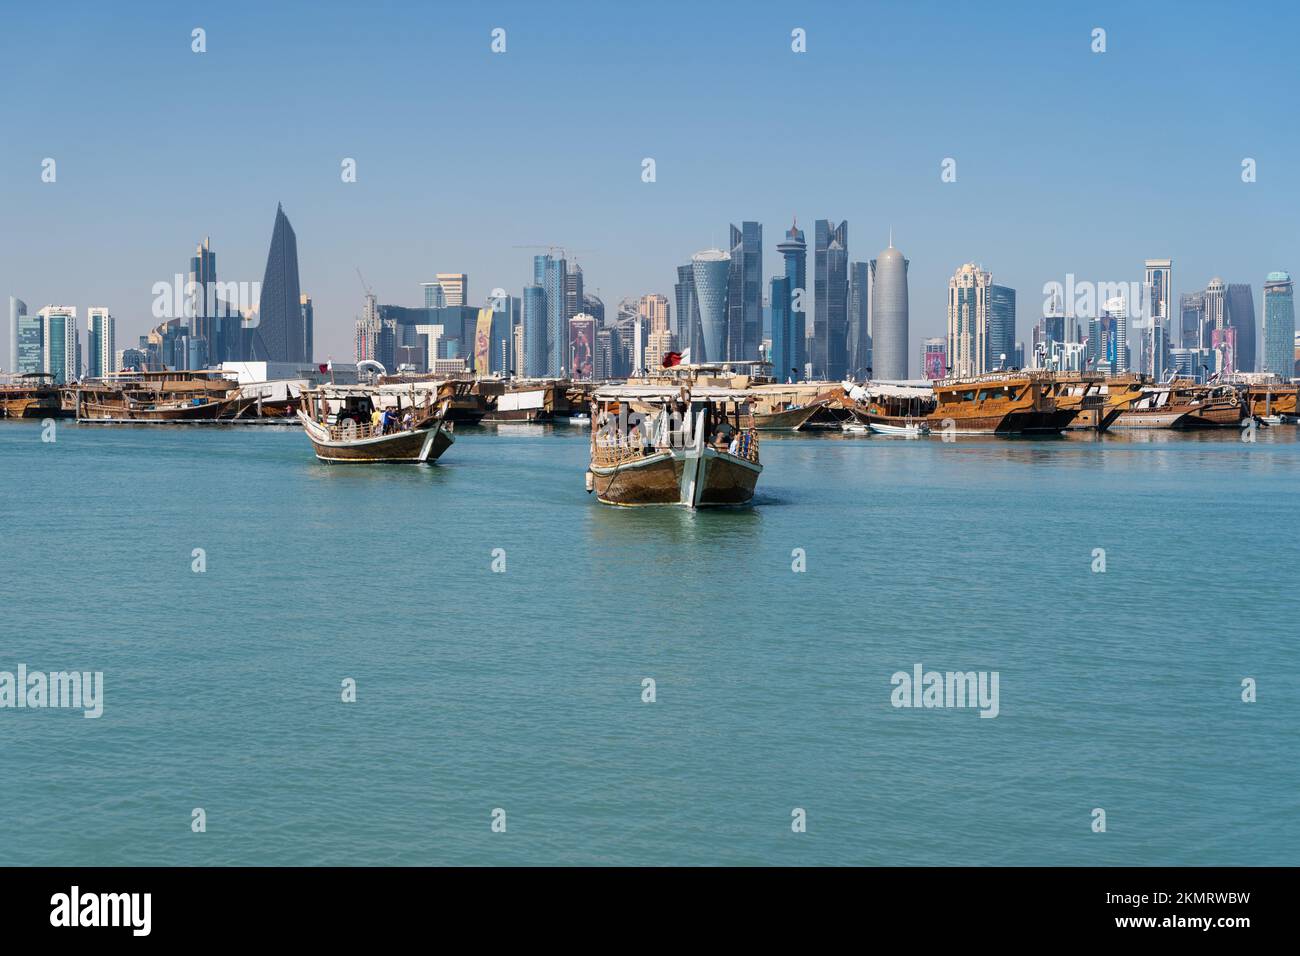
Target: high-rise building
[687, 324]
[17, 310]
[573, 294]
[1117, 354]
[1279, 326]
[711, 269]
[280, 336]
[434, 298]
[745, 292]
[455, 288]
[831, 308]
[554, 274]
[1191, 313]
[934, 358]
[1002, 328]
[582, 347]
[859, 346]
[1216, 311]
[655, 309]
[968, 320]
[1240, 302]
[1159, 294]
[659, 343]
[30, 340]
[794, 250]
[594, 307]
[782, 355]
[889, 314]
[60, 345]
[535, 331]
[101, 342]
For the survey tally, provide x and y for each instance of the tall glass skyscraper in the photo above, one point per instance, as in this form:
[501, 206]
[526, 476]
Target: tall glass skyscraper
[711, 269]
[794, 250]
[859, 319]
[1279, 326]
[1002, 328]
[1240, 301]
[60, 343]
[745, 292]
[968, 320]
[17, 310]
[534, 319]
[831, 309]
[685, 322]
[889, 315]
[280, 336]
[30, 339]
[554, 281]
[101, 344]
[783, 331]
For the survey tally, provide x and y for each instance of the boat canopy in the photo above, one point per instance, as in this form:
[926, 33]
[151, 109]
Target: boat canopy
[667, 393]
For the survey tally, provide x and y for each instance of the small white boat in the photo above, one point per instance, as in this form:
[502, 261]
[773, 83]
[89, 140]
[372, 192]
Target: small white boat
[910, 430]
[1270, 420]
[855, 428]
[583, 420]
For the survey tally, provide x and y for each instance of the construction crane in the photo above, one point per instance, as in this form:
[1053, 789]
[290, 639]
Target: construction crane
[368, 290]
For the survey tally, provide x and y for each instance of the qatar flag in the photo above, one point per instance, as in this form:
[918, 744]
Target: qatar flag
[671, 359]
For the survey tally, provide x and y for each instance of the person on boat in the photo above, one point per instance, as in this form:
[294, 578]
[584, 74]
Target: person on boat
[734, 447]
[408, 421]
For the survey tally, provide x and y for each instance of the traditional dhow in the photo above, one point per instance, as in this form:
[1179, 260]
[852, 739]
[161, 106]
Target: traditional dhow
[32, 395]
[1183, 404]
[1270, 401]
[376, 424]
[893, 408]
[654, 445]
[168, 397]
[1000, 403]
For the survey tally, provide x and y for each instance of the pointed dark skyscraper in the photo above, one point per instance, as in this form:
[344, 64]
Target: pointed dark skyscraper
[280, 335]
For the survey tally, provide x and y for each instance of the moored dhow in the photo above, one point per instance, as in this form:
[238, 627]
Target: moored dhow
[173, 397]
[376, 424]
[688, 446]
[999, 403]
[1183, 404]
[31, 395]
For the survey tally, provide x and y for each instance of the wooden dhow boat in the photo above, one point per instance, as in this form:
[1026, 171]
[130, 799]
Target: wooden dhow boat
[1270, 401]
[659, 445]
[345, 423]
[31, 395]
[1183, 404]
[1097, 400]
[999, 403]
[166, 397]
[892, 408]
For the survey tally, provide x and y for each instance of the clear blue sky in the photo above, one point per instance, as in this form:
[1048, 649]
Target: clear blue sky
[1067, 161]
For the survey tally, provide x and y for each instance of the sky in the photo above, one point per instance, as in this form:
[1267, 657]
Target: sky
[1067, 160]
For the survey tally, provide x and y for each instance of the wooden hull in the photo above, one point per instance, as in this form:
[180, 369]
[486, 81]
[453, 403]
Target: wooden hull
[1022, 422]
[31, 406]
[1096, 419]
[1274, 400]
[790, 419]
[690, 478]
[114, 412]
[418, 446]
[1215, 415]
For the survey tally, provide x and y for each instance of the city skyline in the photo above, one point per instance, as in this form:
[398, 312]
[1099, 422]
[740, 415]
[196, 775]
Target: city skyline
[1028, 212]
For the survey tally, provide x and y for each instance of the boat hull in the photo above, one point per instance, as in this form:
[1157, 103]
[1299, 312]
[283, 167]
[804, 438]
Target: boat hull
[418, 446]
[1021, 422]
[690, 478]
[790, 419]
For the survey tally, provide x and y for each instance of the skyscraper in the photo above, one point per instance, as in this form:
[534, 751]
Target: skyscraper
[934, 358]
[889, 314]
[308, 327]
[434, 298]
[573, 294]
[831, 309]
[859, 347]
[280, 336]
[794, 250]
[534, 322]
[783, 360]
[554, 281]
[1159, 293]
[655, 309]
[1002, 328]
[1279, 326]
[101, 342]
[968, 320]
[1117, 356]
[711, 269]
[1240, 301]
[745, 292]
[30, 341]
[1191, 312]
[687, 320]
[1215, 318]
[17, 310]
[60, 343]
[454, 286]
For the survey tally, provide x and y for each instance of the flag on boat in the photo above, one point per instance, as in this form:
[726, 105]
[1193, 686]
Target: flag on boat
[671, 359]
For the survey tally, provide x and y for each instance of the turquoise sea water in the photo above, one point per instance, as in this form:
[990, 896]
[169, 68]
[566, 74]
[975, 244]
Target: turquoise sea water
[522, 690]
